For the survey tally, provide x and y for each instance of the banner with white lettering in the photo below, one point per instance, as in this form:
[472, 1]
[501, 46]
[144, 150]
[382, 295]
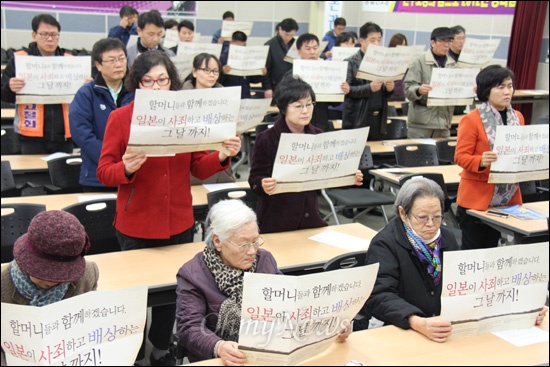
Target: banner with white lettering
[307, 162]
[522, 154]
[324, 77]
[91, 329]
[452, 87]
[495, 289]
[287, 319]
[169, 122]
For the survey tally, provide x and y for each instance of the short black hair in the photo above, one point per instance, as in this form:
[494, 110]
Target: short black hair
[170, 23]
[457, 29]
[127, 10]
[489, 78]
[339, 21]
[368, 28]
[145, 62]
[228, 14]
[239, 36]
[344, 37]
[104, 45]
[186, 24]
[306, 38]
[150, 17]
[288, 25]
[44, 18]
[290, 89]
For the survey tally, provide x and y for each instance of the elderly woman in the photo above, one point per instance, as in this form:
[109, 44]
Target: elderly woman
[288, 211]
[407, 292]
[210, 286]
[48, 264]
[474, 153]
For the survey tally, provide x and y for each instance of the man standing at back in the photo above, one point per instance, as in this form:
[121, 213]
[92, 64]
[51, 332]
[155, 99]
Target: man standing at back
[459, 34]
[150, 30]
[92, 105]
[43, 128]
[278, 47]
[433, 121]
[338, 29]
[217, 37]
[127, 26]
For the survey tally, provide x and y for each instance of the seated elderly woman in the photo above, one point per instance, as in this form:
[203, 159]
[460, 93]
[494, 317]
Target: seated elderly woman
[48, 263]
[407, 292]
[210, 286]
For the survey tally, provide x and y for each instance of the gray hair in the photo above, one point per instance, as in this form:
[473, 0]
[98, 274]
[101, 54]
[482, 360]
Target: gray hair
[225, 218]
[415, 188]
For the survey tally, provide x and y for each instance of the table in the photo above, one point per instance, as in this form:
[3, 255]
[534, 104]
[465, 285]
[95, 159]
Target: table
[8, 113]
[58, 202]
[391, 346]
[521, 230]
[157, 267]
[455, 120]
[451, 174]
[529, 95]
[26, 163]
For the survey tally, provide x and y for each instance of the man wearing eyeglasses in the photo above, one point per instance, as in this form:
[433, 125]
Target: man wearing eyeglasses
[432, 121]
[92, 104]
[43, 129]
[150, 31]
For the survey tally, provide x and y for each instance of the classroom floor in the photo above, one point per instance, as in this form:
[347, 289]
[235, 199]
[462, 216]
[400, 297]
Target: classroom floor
[373, 221]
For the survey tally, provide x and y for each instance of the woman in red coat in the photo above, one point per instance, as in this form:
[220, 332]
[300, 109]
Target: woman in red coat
[154, 203]
[476, 136]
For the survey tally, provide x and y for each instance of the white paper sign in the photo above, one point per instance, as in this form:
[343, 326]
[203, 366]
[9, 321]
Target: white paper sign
[247, 60]
[522, 154]
[171, 38]
[229, 27]
[292, 53]
[385, 63]
[196, 37]
[310, 162]
[494, 289]
[341, 53]
[91, 329]
[452, 87]
[184, 64]
[477, 53]
[252, 113]
[192, 48]
[324, 77]
[287, 319]
[52, 75]
[167, 122]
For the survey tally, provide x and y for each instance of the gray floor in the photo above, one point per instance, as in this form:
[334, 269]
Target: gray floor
[372, 221]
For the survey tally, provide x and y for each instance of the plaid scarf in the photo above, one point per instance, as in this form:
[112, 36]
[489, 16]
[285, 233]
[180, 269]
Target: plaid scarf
[427, 253]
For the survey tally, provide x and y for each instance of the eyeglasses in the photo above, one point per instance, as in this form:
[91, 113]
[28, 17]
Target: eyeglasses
[45, 35]
[162, 82]
[245, 246]
[121, 60]
[423, 219]
[300, 107]
[209, 71]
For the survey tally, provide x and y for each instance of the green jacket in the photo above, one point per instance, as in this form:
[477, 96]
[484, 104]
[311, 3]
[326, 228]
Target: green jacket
[421, 116]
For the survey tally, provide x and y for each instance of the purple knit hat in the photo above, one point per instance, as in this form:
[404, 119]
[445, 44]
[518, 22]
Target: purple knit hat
[53, 247]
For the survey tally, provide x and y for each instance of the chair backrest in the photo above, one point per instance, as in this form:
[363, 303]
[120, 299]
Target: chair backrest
[10, 141]
[397, 129]
[416, 155]
[219, 177]
[530, 193]
[8, 182]
[97, 217]
[345, 261]
[405, 108]
[446, 151]
[65, 173]
[245, 194]
[271, 117]
[438, 178]
[366, 162]
[15, 224]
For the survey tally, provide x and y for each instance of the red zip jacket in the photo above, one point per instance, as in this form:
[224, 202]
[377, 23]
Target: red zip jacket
[156, 202]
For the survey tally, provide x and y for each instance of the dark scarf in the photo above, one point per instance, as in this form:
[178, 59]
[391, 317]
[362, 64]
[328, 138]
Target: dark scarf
[429, 253]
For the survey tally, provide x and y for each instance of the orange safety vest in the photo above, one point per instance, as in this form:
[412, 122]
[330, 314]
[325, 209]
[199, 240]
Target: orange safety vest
[31, 116]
